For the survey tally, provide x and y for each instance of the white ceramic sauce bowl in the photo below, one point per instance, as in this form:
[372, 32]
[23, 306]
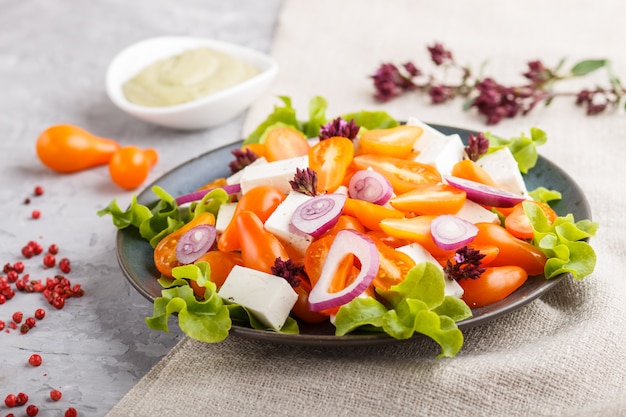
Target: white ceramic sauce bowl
[202, 113]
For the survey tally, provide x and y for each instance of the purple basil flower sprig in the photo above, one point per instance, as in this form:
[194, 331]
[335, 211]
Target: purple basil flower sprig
[339, 127]
[493, 100]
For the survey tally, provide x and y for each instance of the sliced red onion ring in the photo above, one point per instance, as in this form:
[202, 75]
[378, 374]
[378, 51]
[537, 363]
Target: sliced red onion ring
[485, 194]
[317, 215]
[195, 243]
[198, 195]
[370, 186]
[346, 242]
[451, 232]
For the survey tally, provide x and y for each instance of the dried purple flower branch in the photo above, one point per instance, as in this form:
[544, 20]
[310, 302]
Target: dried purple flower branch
[493, 100]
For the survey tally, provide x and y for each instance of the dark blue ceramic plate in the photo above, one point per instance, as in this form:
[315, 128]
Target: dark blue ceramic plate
[135, 254]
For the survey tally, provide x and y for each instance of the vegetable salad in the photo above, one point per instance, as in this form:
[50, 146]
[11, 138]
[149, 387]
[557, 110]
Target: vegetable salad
[370, 224]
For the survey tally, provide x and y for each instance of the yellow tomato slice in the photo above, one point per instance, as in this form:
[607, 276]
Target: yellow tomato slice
[397, 141]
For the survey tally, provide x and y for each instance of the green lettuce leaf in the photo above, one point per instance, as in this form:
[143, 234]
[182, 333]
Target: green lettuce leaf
[372, 119]
[523, 148]
[133, 216]
[544, 195]
[317, 117]
[564, 242]
[206, 320]
[285, 116]
[416, 305]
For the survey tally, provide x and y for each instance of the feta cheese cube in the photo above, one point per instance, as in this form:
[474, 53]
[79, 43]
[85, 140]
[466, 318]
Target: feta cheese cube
[236, 177]
[475, 213]
[419, 254]
[224, 216]
[268, 297]
[276, 173]
[502, 168]
[279, 223]
[442, 152]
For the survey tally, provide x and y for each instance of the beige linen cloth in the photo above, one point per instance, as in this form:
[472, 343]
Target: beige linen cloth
[561, 355]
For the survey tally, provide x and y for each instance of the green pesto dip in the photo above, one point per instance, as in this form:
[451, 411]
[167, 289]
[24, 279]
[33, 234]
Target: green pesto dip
[193, 74]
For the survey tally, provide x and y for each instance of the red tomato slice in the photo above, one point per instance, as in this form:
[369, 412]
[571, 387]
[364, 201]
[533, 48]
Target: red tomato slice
[431, 199]
[493, 285]
[403, 174]
[396, 141]
[330, 159]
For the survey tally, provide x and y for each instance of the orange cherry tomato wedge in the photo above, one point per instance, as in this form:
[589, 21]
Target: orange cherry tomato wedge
[403, 174]
[470, 170]
[285, 142]
[221, 264]
[511, 250]
[261, 200]
[431, 199]
[259, 248]
[302, 308]
[396, 141]
[330, 159]
[494, 284]
[165, 250]
[518, 223]
[369, 214]
[415, 229]
[257, 148]
[393, 266]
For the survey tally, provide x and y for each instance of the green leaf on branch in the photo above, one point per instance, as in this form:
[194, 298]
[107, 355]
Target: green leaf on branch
[588, 66]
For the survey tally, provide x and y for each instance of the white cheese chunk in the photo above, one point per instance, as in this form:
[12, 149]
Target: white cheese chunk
[502, 168]
[419, 254]
[268, 297]
[475, 213]
[279, 223]
[276, 173]
[236, 177]
[442, 152]
[224, 216]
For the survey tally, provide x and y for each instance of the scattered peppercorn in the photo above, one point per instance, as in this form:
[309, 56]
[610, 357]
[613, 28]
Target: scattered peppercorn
[22, 398]
[71, 412]
[64, 265]
[38, 190]
[18, 267]
[32, 410]
[55, 395]
[10, 400]
[49, 260]
[53, 249]
[40, 313]
[30, 322]
[35, 360]
[36, 214]
[17, 316]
